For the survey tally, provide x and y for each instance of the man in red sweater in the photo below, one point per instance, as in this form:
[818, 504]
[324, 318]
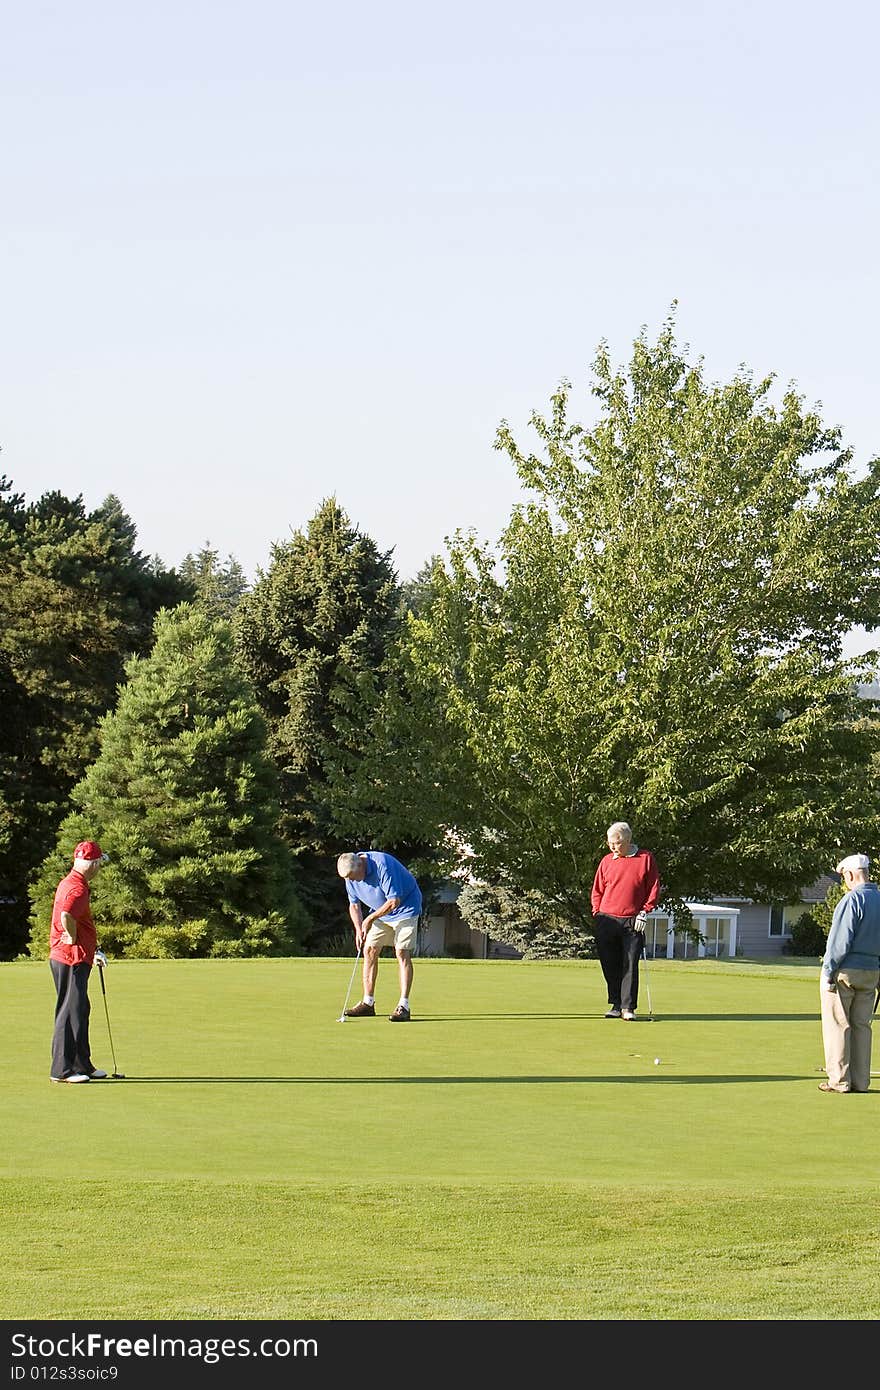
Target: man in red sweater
[73, 950]
[625, 889]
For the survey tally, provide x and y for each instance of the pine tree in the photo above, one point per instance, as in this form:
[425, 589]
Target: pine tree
[217, 587]
[326, 609]
[183, 798]
[76, 600]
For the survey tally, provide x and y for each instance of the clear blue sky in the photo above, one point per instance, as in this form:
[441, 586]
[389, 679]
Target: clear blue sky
[256, 252]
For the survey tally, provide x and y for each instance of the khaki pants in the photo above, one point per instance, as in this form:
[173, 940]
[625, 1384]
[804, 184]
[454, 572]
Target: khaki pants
[847, 1015]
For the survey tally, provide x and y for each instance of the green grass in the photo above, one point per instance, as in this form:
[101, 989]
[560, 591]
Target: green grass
[510, 1154]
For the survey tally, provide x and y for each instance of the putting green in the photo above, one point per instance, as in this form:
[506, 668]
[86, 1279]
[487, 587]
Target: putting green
[510, 1153]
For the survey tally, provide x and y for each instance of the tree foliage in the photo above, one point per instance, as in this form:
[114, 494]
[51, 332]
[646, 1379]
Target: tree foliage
[823, 912]
[806, 937]
[217, 586]
[529, 921]
[417, 594]
[324, 612]
[656, 638]
[183, 796]
[76, 599]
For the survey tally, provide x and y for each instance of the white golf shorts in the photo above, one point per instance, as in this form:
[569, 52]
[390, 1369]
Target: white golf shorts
[401, 935]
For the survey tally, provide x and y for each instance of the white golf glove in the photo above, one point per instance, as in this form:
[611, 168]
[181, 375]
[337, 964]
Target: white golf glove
[100, 958]
[641, 921]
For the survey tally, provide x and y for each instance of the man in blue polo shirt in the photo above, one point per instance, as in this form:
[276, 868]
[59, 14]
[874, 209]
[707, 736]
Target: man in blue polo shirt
[394, 899]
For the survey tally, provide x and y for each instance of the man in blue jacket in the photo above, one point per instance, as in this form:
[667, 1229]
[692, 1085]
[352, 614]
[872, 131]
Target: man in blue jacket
[849, 978]
[394, 898]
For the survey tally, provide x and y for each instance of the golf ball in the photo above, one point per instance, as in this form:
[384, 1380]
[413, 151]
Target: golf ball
[656, 1061]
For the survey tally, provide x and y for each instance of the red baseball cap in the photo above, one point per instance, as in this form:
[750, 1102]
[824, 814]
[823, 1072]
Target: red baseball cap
[87, 849]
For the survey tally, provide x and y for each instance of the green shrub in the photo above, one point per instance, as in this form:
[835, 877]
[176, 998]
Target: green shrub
[807, 937]
[337, 944]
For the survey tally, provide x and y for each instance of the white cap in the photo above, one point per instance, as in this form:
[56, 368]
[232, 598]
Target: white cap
[853, 861]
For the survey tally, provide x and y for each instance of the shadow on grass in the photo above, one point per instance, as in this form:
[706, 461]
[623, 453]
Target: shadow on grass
[641, 1018]
[651, 1079]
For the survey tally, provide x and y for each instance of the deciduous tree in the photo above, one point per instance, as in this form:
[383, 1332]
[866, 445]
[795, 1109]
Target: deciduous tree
[655, 638]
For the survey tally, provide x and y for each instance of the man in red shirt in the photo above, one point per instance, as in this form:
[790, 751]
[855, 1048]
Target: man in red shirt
[625, 889]
[73, 949]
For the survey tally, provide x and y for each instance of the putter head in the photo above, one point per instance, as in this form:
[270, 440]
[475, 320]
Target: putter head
[341, 1018]
[118, 1075]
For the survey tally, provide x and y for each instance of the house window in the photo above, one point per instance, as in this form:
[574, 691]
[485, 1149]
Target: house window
[777, 920]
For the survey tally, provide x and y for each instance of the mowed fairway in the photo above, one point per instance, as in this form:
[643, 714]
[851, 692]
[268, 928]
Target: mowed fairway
[510, 1154]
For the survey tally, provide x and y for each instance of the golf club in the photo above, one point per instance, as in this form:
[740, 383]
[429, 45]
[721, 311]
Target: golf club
[341, 1018]
[117, 1075]
[647, 984]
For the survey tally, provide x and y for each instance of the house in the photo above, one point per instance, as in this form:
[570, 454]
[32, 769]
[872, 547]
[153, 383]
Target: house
[715, 922]
[764, 928]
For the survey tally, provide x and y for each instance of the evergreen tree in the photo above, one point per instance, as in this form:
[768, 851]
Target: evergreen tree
[325, 611]
[183, 798]
[76, 599]
[530, 922]
[385, 768]
[218, 588]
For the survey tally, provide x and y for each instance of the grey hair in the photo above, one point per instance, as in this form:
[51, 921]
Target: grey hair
[621, 828]
[346, 864]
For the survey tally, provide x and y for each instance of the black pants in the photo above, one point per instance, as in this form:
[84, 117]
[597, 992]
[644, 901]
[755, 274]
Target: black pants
[70, 1040]
[619, 947]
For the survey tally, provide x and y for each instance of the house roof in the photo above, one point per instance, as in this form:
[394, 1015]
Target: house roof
[702, 910]
[815, 893]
